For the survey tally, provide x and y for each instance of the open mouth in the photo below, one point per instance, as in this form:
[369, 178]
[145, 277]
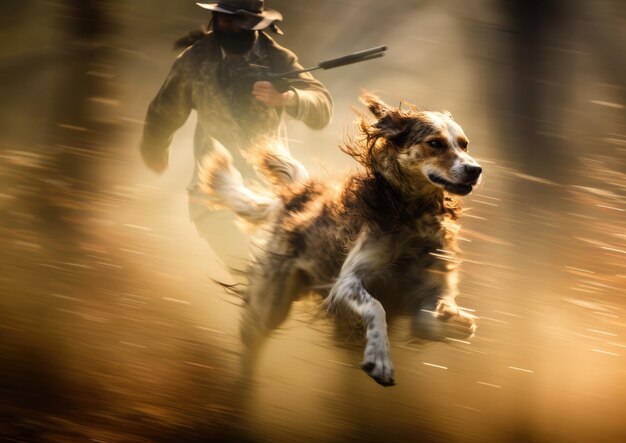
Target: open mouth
[454, 188]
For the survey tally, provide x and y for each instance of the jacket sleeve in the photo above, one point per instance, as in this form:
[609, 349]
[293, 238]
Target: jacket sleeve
[315, 106]
[167, 112]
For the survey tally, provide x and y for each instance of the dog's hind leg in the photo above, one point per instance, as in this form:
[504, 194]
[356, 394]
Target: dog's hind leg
[349, 297]
[273, 288]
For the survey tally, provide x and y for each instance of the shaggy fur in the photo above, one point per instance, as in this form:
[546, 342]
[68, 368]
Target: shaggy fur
[382, 240]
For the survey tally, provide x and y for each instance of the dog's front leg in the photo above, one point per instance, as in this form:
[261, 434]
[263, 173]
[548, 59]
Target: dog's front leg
[349, 297]
[439, 317]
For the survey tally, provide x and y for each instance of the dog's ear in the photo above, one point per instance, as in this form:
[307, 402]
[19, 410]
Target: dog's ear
[395, 127]
[378, 107]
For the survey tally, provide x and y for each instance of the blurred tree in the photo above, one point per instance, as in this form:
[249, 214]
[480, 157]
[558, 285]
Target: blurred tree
[79, 131]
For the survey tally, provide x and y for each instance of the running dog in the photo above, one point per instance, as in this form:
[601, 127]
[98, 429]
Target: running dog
[382, 239]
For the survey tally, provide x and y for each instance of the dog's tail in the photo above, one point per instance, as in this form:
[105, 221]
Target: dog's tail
[223, 185]
[274, 162]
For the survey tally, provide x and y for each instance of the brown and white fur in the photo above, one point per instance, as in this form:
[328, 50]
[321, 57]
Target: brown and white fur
[382, 239]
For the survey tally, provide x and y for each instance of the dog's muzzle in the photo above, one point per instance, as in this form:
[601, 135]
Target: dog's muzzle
[472, 175]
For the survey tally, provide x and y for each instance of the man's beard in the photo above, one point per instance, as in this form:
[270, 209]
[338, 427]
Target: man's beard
[235, 42]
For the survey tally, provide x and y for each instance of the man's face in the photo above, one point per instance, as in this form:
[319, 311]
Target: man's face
[226, 23]
[231, 35]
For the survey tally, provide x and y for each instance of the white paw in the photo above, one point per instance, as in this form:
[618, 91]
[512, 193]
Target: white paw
[444, 322]
[377, 364]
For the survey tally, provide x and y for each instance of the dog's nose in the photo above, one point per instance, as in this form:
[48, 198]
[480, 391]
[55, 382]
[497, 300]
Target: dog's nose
[473, 172]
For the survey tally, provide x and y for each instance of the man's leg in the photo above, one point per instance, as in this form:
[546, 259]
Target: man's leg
[229, 243]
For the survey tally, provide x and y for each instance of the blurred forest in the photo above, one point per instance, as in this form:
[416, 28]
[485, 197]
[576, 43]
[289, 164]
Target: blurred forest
[112, 330]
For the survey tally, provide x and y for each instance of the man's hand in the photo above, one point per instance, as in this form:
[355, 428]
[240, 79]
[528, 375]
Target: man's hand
[266, 93]
[157, 163]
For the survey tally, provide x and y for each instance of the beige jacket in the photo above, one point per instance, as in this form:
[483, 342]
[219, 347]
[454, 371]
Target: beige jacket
[193, 84]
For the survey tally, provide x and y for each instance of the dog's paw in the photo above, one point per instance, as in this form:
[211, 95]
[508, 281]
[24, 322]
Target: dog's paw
[444, 322]
[378, 366]
[456, 323]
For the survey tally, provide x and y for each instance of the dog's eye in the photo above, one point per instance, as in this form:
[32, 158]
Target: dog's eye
[435, 144]
[463, 145]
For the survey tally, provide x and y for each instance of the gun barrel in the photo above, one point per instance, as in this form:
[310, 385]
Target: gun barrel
[352, 58]
[356, 57]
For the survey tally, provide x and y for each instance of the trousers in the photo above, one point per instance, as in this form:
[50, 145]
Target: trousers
[229, 243]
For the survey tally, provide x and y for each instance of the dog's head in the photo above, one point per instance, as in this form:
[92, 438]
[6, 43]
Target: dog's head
[417, 150]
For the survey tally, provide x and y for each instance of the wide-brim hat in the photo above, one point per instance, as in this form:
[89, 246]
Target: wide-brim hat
[252, 13]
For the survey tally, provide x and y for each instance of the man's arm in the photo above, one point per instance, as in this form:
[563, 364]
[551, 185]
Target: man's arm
[167, 112]
[311, 102]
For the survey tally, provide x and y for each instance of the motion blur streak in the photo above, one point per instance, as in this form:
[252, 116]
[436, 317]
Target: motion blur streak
[111, 329]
